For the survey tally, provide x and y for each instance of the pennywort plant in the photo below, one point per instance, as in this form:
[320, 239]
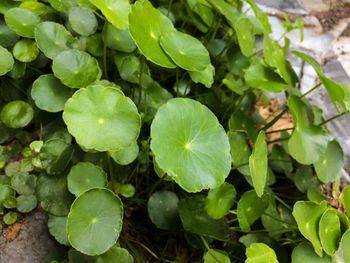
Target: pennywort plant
[136, 126]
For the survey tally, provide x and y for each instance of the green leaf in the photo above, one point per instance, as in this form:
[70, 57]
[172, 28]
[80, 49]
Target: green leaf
[10, 218]
[216, 256]
[186, 51]
[16, 114]
[250, 208]
[125, 155]
[36, 7]
[205, 77]
[339, 93]
[280, 161]
[57, 228]
[261, 77]
[260, 253]
[240, 151]
[52, 38]
[115, 254]
[26, 203]
[53, 194]
[307, 215]
[245, 35]
[55, 155]
[220, 200]
[147, 24]
[83, 21]
[6, 62]
[163, 210]
[76, 68]
[185, 131]
[226, 9]
[329, 231]
[196, 220]
[84, 176]
[62, 5]
[258, 164]
[308, 142]
[25, 50]
[116, 11]
[345, 199]
[94, 45]
[49, 93]
[304, 178]
[24, 183]
[118, 39]
[93, 120]
[22, 21]
[329, 166]
[95, 221]
[304, 252]
[345, 244]
[7, 37]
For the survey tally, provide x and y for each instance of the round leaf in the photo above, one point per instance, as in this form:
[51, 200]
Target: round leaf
[126, 155]
[260, 253]
[102, 118]
[10, 218]
[345, 244]
[26, 203]
[304, 252]
[84, 176]
[22, 21]
[25, 50]
[115, 254]
[147, 24]
[49, 93]
[220, 200]
[76, 68]
[186, 132]
[83, 21]
[52, 38]
[205, 77]
[95, 221]
[24, 183]
[16, 114]
[329, 231]
[57, 228]
[345, 199]
[186, 51]
[215, 256]
[163, 211]
[6, 62]
[62, 5]
[118, 39]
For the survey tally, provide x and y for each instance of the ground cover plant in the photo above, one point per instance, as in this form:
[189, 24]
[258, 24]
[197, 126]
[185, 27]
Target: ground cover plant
[137, 127]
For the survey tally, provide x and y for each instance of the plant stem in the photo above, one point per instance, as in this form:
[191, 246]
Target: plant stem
[283, 203]
[105, 61]
[208, 249]
[333, 118]
[280, 130]
[145, 248]
[271, 123]
[311, 90]
[279, 140]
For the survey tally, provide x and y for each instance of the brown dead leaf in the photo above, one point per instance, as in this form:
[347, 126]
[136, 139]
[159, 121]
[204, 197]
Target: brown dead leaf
[12, 231]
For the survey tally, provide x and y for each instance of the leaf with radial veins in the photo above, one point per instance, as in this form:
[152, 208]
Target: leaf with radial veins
[185, 50]
[190, 145]
[102, 118]
[258, 164]
[116, 11]
[260, 253]
[83, 21]
[220, 200]
[22, 21]
[147, 24]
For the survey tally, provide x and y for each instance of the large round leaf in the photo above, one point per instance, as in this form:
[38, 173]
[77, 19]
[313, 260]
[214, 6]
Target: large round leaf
[57, 228]
[49, 93]
[147, 24]
[116, 11]
[6, 62]
[95, 221]
[26, 203]
[24, 183]
[52, 38]
[84, 176]
[22, 21]
[76, 68]
[16, 114]
[186, 51]
[25, 50]
[115, 254]
[102, 118]
[304, 252]
[190, 145]
[82, 20]
[329, 231]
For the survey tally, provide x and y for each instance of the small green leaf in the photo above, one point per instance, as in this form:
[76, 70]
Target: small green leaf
[115, 254]
[260, 253]
[186, 51]
[329, 166]
[245, 34]
[185, 131]
[25, 50]
[6, 62]
[57, 228]
[304, 178]
[24, 183]
[205, 77]
[118, 39]
[26, 203]
[76, 68]
[345, 199]
[220, 200]
[84, 176]
[163, 210]
[102, 118]
[329, 231]
[36, 7]
[95, 221]
[216, 256]
[258, 164]
[62, 5]
[10, 218]
[226, 9]
[307, 215]
[280, 161]
[83, 21]
[125, 155]
[345, 244]
[250, 208]
[22, 21]
[240, 151]
[147, 24]
[16, 114]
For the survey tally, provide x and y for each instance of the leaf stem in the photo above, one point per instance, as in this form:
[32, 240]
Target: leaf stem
[271, 123]
[283, 203]
[311, 90]
[333, 118]
[105, 61]
[280, 130]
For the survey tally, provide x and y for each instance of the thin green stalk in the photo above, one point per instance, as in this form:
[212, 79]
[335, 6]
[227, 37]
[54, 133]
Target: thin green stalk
[208, 249]
[333, 118]
[279, 130]
[283, 203]
[311, 90]
[271, 123]
[145, 248]
[105, 61]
